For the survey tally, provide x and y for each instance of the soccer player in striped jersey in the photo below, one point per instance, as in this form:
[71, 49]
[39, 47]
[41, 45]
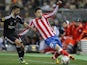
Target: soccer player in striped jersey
[41, 23]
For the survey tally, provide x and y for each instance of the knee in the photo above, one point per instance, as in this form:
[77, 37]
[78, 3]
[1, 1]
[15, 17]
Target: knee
[57, 47]
[17, 41]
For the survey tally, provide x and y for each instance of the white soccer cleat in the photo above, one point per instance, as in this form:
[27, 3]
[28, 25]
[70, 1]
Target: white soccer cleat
[23, 62]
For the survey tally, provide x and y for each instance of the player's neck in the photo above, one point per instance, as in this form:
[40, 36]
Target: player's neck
[13, 15]
[39, 17]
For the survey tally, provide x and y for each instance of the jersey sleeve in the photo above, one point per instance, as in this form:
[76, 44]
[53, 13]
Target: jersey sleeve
[52, 13]
[31, 24]
[25, 31]
[20, 20]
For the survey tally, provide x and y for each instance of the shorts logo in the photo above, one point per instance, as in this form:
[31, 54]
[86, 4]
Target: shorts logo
[51, 45]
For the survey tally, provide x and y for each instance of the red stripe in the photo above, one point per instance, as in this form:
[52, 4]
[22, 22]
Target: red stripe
[49, 25]
[46, 27]
[31, 23]
[41, 28]
[23, 30]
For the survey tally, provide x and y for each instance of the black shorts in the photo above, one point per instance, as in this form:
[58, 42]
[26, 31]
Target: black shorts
[11, 38]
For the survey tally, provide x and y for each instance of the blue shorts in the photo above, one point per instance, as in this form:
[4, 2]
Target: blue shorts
[52, 41]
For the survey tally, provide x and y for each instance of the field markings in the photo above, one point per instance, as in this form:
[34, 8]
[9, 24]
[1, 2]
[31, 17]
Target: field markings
[41, 62]
[43, 55]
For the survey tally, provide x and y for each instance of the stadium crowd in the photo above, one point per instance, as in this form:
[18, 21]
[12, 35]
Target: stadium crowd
[69, 32]
[28, 5]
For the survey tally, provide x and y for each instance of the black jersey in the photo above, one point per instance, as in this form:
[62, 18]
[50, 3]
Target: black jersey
[10, 23]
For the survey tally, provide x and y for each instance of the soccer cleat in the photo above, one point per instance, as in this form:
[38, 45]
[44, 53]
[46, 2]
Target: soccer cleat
[22, 61]
[54, 58]
[71, 57]
[57, 61]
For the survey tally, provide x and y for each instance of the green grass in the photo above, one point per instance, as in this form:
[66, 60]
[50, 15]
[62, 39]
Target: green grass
[37, 59]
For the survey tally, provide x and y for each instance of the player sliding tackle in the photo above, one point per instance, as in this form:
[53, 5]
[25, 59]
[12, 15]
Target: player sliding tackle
[41, 23]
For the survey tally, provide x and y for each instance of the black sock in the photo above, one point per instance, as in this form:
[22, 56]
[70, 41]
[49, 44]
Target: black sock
[20, 52]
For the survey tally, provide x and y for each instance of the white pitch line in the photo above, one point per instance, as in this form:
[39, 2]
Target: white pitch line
[38, 56]
[41, 62]
[45, 62]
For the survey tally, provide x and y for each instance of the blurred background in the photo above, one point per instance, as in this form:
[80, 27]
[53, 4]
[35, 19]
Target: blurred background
[72, 11]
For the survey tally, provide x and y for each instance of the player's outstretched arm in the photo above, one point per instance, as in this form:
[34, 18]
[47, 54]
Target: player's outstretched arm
[28, 26]
[59, 3]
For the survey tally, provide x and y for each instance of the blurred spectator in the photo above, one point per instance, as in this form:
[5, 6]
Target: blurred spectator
[2, 5]
[1, 41]
[45, 6]
[85, 6]
[27, 40]
[8, 4]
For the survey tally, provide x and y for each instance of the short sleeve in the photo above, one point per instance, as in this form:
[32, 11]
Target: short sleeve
[20, 20]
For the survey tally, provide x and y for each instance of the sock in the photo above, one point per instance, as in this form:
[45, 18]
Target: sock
[20, 52]
[48, 49]
[63, 52]
[56, 54]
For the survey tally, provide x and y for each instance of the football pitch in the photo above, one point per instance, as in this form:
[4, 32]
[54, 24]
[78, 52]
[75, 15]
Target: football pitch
[37, 59]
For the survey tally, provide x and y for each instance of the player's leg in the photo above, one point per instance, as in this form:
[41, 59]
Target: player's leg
[56, 44]
[60, 50]
[19, 46]
[20, 49]
[56, 54]
[42, 46]
[55, 57]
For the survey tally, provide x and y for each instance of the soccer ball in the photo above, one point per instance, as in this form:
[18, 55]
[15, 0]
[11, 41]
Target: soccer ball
[65, 60]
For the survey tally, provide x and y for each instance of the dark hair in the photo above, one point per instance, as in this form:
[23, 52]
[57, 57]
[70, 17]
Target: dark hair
[14, 7]
[38, 9]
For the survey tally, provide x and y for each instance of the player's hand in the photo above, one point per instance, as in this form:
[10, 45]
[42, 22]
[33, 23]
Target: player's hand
[59, 3]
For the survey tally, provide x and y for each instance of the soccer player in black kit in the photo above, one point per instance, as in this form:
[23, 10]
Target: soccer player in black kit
[10, 33]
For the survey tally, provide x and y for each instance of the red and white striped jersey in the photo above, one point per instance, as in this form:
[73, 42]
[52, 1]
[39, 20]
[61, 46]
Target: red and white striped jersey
[43, 26]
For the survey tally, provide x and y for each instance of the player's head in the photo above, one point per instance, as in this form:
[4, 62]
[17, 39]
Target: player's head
[65, 24]
[15, 10]
[38, 12]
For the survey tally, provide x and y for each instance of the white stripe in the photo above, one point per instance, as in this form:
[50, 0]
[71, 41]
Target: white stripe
[25, 32]
[35, 61]
[48, 26]
[41, 62]
[31, 24]
[43, 27]
[39, 29]
[9, 40]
